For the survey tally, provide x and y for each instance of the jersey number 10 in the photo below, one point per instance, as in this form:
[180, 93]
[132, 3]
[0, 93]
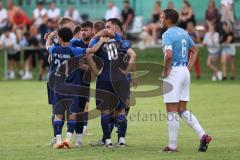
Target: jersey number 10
[112, 51]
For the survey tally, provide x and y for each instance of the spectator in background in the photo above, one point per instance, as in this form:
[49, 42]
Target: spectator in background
[228, 50]
[186, 15]
[39, 14]
[155, 24]
[8, 40]
[30, 54]
[11, 8]
[3, 17]
[170, 5]
[211, 14]
[212, 41]
[112, 12]
[227, 11]
[73, 13]
[53, 12]
[196, 38]
[20, 19]
[127, 16]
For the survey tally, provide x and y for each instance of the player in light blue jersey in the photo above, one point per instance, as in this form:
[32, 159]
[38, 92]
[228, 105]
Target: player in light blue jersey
[176, 46]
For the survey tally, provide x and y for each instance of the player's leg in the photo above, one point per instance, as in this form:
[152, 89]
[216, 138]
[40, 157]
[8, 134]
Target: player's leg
[188, 117]
[107, 126]
[80, 124]
[171, 99]
[193, 122]
[121, 120]
[71, 122]
[173, 126]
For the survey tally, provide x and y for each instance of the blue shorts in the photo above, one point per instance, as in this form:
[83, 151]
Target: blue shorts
[50, 95]
[112, 95]
[64, 102]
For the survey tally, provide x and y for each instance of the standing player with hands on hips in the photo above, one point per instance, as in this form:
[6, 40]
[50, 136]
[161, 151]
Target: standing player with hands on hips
[176, 44]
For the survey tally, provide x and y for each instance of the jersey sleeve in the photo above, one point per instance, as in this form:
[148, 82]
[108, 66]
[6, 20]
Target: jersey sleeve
[167, 42]
[51, 49]
[74, 42]
[118, 37]
[78, 51]
[92, 42]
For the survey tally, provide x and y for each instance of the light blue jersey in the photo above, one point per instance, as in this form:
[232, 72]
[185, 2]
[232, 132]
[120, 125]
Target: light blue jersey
[179, 42]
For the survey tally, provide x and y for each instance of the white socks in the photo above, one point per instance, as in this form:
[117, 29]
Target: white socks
[173, 126]
[192, 121]
[69, 136]
[108, 141]
[121, 140]
[79, 137]
[59, 138]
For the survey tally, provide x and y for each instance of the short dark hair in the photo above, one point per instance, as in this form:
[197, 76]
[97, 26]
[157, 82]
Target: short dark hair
[116, 21]
[99, 25]
[87, 24]
[77, 29]
[172, 15]
[65, 34]
[126, 1]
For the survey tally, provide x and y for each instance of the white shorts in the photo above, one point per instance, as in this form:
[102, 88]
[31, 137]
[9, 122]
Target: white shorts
[229, 50]
[176, 86]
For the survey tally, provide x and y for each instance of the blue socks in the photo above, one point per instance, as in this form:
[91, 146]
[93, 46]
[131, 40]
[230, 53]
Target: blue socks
[58, 125]
[71, 124]
[107, 126]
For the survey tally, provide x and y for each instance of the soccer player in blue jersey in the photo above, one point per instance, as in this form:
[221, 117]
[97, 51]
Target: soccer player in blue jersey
[112, 79]
[176, 45]
[85, 31]
[59, 55]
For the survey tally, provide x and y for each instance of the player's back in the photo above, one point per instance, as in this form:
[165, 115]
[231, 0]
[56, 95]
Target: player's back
[109, 53]
[180, 42]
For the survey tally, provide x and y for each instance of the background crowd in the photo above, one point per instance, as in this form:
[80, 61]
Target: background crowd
[21, 32]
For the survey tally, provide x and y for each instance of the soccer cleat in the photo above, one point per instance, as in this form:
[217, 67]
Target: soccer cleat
[54, 141]
[67, 144]
[169, 150]
[58, 145]
[96, 143]
[206, 139]
[122, 145]
[78, 144]
[108, 146]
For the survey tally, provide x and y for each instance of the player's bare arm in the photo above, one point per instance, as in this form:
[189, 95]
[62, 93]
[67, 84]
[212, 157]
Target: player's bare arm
[92, 65]
[193, 57]
[105, 33]
[131, 62]
[167, 62]
[97, 46]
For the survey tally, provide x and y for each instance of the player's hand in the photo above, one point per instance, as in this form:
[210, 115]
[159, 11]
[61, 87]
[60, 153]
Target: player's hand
[135, 83]
[104, 39]
[86, 107]
[166, 72]
[46, 35]
[123, 71]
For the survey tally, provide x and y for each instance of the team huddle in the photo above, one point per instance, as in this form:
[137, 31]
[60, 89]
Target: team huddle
[100, 49]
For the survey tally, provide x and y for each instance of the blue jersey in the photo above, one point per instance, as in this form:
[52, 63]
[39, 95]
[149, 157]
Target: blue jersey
[110, 52]
[85, 76]
[78, 43]
[61, 54]
[179, 41]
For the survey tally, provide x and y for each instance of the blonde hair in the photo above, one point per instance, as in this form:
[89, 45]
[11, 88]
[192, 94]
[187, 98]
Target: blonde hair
[63, 20]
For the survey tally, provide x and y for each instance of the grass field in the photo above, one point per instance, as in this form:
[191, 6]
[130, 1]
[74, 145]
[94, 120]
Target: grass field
[25, 128]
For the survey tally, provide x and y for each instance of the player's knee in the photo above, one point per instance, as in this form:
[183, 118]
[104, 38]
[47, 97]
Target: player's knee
[121, 118]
